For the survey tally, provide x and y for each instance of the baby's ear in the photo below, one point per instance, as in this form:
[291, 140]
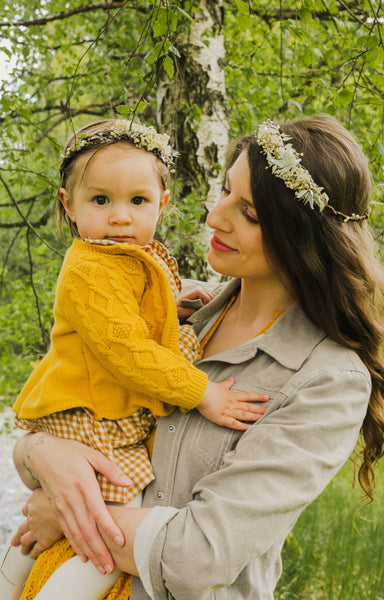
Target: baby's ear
[66, 202]
[164, 199]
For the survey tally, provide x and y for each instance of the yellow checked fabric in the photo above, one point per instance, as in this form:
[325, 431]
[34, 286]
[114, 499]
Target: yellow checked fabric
[121, 441]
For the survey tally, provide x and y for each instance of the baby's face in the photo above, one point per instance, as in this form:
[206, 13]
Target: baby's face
[115, 194]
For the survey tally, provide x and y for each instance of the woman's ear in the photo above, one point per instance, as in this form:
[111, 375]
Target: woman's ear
[164, 200]
[65, 201]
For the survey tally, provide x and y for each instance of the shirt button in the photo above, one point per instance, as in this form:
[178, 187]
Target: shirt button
[160, 495]
[171, 428]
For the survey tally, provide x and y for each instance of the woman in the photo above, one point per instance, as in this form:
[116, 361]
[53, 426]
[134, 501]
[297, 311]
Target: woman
[300, 321]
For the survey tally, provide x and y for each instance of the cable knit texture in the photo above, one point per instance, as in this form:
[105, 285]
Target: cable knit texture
[115, 340]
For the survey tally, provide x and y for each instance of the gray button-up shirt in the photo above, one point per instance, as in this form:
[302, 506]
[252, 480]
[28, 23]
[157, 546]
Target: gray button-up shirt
[225, 500]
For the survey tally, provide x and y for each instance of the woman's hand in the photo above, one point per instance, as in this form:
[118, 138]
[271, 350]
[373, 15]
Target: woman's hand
[65, 470]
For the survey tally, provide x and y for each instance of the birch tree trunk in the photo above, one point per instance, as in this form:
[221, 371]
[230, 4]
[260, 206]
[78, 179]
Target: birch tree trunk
[197, 91]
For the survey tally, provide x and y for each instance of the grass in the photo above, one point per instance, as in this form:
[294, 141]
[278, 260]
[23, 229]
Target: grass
[336, 549]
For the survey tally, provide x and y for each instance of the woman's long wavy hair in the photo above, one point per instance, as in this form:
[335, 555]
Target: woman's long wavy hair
[328, 265]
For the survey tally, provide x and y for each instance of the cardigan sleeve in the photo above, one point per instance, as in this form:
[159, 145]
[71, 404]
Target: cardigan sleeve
[105, 312]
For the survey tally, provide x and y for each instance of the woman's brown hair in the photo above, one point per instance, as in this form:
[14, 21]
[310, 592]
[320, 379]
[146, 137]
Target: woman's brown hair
[329, 265]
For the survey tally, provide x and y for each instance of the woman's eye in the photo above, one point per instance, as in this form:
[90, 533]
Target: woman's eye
[225, 190]
[100, 200]
[250, 218]
[138, 200]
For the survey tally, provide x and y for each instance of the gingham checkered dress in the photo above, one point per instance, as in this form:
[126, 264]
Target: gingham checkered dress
[122, 440]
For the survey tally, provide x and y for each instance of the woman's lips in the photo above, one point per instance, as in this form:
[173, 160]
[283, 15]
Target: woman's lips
[216, 244]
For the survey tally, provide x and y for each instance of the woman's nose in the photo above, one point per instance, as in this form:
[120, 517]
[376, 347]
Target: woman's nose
[219, 216]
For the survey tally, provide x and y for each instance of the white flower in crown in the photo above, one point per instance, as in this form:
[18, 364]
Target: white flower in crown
[140, 135]
[286, 159]
[285, 164]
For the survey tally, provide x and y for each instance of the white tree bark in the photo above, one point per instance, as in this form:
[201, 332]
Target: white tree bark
[198, 84]
[212, 130]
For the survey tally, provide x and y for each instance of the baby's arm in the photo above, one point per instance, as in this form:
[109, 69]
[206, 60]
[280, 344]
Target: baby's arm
[236, 410]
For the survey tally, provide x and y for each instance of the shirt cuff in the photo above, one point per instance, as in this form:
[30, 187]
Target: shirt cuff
[147, 531]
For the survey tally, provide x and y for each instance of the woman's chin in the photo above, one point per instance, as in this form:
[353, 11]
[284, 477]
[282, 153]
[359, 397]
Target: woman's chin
[216, 264]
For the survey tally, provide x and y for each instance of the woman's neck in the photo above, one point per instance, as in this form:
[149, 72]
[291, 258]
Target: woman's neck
[251, 312]
[258, 301]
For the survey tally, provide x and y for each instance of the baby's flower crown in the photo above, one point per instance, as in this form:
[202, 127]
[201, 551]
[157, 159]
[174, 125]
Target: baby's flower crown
[285, 164]
[140, 135]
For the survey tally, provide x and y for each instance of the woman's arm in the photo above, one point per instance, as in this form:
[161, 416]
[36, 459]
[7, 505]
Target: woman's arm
[65, 471]
[129, 520]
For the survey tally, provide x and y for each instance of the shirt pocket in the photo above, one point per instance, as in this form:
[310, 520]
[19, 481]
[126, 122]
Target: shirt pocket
[210, 442]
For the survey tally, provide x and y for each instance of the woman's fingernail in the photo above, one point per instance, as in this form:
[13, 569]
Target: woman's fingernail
[108, 569]
[119, 541]
[101, 570]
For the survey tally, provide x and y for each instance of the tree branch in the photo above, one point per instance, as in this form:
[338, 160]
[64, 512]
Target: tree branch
[25, 220]
[19, 224]
[65, 15]
[25, 200]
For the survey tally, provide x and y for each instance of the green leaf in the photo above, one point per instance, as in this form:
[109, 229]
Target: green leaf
[372, 55]
[242, 6]
[140, 106]
[333, 9]
[185, 14]
[168, 66]
[368, 41]
[174, 51]
[6, 51]
[344, 98]
[122, 109]
[305, 15]
[296, 104]
[161, 25]
[245, 21]
[380, 149]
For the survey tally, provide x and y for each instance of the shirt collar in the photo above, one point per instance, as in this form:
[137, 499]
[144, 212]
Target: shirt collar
[289, 340]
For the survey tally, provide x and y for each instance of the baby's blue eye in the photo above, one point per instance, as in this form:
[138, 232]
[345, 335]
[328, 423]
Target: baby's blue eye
[100, 200]
[138, 200]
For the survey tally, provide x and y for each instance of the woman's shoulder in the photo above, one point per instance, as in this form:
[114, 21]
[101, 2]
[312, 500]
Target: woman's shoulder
[312, 347]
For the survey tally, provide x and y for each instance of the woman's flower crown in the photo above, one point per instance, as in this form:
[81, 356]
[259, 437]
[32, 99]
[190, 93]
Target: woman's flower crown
[140, 135]
[285, 164]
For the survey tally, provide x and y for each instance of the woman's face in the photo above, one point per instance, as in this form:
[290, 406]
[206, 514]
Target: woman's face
[236, 247]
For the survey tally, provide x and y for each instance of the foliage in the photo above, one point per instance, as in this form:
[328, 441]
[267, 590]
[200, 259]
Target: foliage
[335, 550]
[79, 61]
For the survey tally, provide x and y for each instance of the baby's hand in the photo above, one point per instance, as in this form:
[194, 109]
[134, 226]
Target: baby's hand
[231, 409]
[189, 303]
